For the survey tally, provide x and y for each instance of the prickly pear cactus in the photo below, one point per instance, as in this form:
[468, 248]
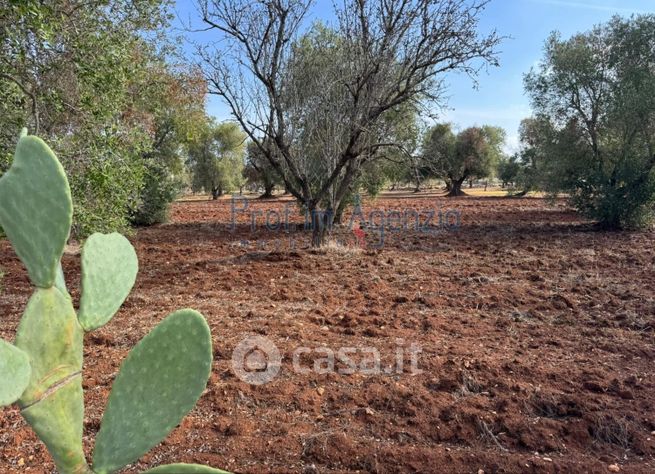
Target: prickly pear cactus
[162, 377]
[35, 198]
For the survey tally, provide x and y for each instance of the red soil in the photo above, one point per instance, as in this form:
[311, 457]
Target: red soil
[536, 331]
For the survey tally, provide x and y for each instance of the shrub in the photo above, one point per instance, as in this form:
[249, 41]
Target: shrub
[160, 189]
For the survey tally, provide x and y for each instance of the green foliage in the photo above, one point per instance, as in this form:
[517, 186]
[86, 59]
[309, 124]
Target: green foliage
[105, 188]
[536, 135]
[372, 179]
[111, 117]
[508, 170]
[495, 139]
[472, 153]
[174, 104]
[162, 377]
[595, 93]
[398, 162]
[216, 158]
[160, 189]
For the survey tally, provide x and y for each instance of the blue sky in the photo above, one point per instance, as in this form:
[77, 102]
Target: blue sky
[499, 98]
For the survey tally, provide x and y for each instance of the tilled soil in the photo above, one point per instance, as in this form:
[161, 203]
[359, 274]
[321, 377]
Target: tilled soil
[536, 334]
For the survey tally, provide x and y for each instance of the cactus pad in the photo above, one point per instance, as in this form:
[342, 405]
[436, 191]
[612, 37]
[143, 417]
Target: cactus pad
[159, 382]
[60, 280]
[36, 211]
[109, 268]
[184, 469]
[15, 373]
[50, 334]
[57, 420]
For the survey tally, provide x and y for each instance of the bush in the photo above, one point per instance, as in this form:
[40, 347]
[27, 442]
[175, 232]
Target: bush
[106, 192]
[160, 189]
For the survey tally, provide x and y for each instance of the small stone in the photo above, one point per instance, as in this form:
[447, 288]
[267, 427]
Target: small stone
[311, 470]
[547, 459]
[364, 411]
[320, 390]
[21, 462]
[480, 471]
[614, 468]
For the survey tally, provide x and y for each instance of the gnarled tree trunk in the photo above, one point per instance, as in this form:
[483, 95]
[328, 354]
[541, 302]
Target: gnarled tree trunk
[456, 188]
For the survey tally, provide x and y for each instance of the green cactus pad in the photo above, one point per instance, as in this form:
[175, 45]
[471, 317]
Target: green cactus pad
[51, 336]
[109, 268]
[15, 373]
[60, 280]
[36, 209]
[184, 469]
[57, 420]
[159, 382]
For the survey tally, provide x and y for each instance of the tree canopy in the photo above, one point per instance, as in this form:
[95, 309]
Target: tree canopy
[99, 81]
[472, 153]
[216, 159]
[596, 93]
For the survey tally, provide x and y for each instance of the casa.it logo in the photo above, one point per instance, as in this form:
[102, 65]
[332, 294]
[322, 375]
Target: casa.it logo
[256, 360]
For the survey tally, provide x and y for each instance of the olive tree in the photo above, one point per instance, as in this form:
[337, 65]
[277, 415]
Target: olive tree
[389, 54]
[258, 171]
[509, 170]
[596, 92]
[472, 153]
[216, 158]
